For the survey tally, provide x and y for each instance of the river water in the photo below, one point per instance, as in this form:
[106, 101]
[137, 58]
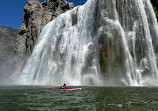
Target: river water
[87, 99]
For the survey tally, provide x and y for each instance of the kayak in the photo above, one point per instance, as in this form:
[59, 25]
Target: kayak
[68, 89]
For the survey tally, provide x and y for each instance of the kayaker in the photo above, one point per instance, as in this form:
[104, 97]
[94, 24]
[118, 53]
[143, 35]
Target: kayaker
[63, 87]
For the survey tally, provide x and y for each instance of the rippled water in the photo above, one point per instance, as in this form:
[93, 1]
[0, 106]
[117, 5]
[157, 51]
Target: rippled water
[88, 99]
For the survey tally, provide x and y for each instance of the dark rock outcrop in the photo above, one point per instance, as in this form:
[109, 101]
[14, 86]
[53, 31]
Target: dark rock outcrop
[37, 15]
[155, 6]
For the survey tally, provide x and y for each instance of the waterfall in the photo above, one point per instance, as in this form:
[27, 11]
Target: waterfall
[103, 42]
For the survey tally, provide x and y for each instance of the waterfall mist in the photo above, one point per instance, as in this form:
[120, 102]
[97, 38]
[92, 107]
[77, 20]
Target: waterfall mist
[6, 71]
[103, 42]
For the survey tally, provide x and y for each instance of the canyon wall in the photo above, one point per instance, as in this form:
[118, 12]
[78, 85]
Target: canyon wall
[37, 15]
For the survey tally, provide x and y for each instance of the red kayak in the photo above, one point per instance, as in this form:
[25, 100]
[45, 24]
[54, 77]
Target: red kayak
[68, 89]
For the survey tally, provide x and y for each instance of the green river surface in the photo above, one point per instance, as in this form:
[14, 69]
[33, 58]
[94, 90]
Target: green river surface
[88, 99]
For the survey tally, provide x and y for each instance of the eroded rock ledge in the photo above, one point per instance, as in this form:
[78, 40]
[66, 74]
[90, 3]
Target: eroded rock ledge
[37, 15]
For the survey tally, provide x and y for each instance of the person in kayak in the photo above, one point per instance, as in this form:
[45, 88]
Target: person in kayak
[63, 87]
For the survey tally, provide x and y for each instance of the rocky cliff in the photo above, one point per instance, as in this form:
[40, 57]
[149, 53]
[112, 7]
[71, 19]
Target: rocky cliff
[37, 15]
[7, 51]
[7, 43]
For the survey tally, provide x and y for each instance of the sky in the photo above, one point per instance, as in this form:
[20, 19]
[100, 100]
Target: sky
[11, 12]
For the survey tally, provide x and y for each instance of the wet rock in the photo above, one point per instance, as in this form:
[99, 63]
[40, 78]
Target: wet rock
[155, 6]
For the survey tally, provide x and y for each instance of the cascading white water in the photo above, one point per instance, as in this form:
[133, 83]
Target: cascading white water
[103, 42]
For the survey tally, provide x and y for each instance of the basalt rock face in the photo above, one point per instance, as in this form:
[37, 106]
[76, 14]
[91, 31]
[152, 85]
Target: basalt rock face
[37, 15]
[7, 43]
[7, 51]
